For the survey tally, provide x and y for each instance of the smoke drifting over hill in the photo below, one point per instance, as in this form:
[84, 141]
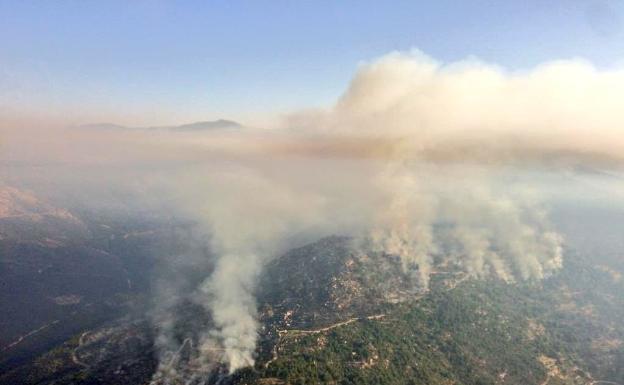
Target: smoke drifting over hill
[416, 159]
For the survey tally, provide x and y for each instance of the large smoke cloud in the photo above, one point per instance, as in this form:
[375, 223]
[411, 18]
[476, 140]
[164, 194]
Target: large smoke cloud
[417, 159]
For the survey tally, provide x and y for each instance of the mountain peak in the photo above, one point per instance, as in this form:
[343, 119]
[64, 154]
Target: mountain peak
[208, 125]
[189, 127]
[102, 126]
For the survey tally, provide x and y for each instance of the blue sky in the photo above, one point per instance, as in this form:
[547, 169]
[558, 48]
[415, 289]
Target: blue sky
[168, 62]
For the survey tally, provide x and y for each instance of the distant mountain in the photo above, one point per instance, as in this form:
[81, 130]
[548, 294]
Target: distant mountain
[103, 126]
[209, 125]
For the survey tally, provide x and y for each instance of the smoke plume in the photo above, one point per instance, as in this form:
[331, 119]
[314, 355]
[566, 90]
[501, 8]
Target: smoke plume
[417, 159]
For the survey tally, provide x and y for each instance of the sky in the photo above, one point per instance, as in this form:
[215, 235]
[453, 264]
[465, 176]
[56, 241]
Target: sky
[165, 62]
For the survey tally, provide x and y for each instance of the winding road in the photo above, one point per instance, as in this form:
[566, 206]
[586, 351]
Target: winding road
[29, 334]
[298, 332]
[74, 355]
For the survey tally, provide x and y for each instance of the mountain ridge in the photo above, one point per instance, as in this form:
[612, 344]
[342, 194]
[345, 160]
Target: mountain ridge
[207, 125]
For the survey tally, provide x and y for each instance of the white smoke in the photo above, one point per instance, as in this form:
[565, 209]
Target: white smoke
[403, 222]
[247, 217]
[419, 158]
[465, 214]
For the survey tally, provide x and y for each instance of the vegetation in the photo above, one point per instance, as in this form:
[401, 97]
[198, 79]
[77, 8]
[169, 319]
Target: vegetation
[566, 329]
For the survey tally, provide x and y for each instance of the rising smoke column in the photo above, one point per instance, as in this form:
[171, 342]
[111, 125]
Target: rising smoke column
[461, 128]
[467, 216]
[247, 217]
[403, 223]
[417, 156]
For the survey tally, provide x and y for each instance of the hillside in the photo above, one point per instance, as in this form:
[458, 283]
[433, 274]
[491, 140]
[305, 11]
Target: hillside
[62, 272]
[332, 315]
